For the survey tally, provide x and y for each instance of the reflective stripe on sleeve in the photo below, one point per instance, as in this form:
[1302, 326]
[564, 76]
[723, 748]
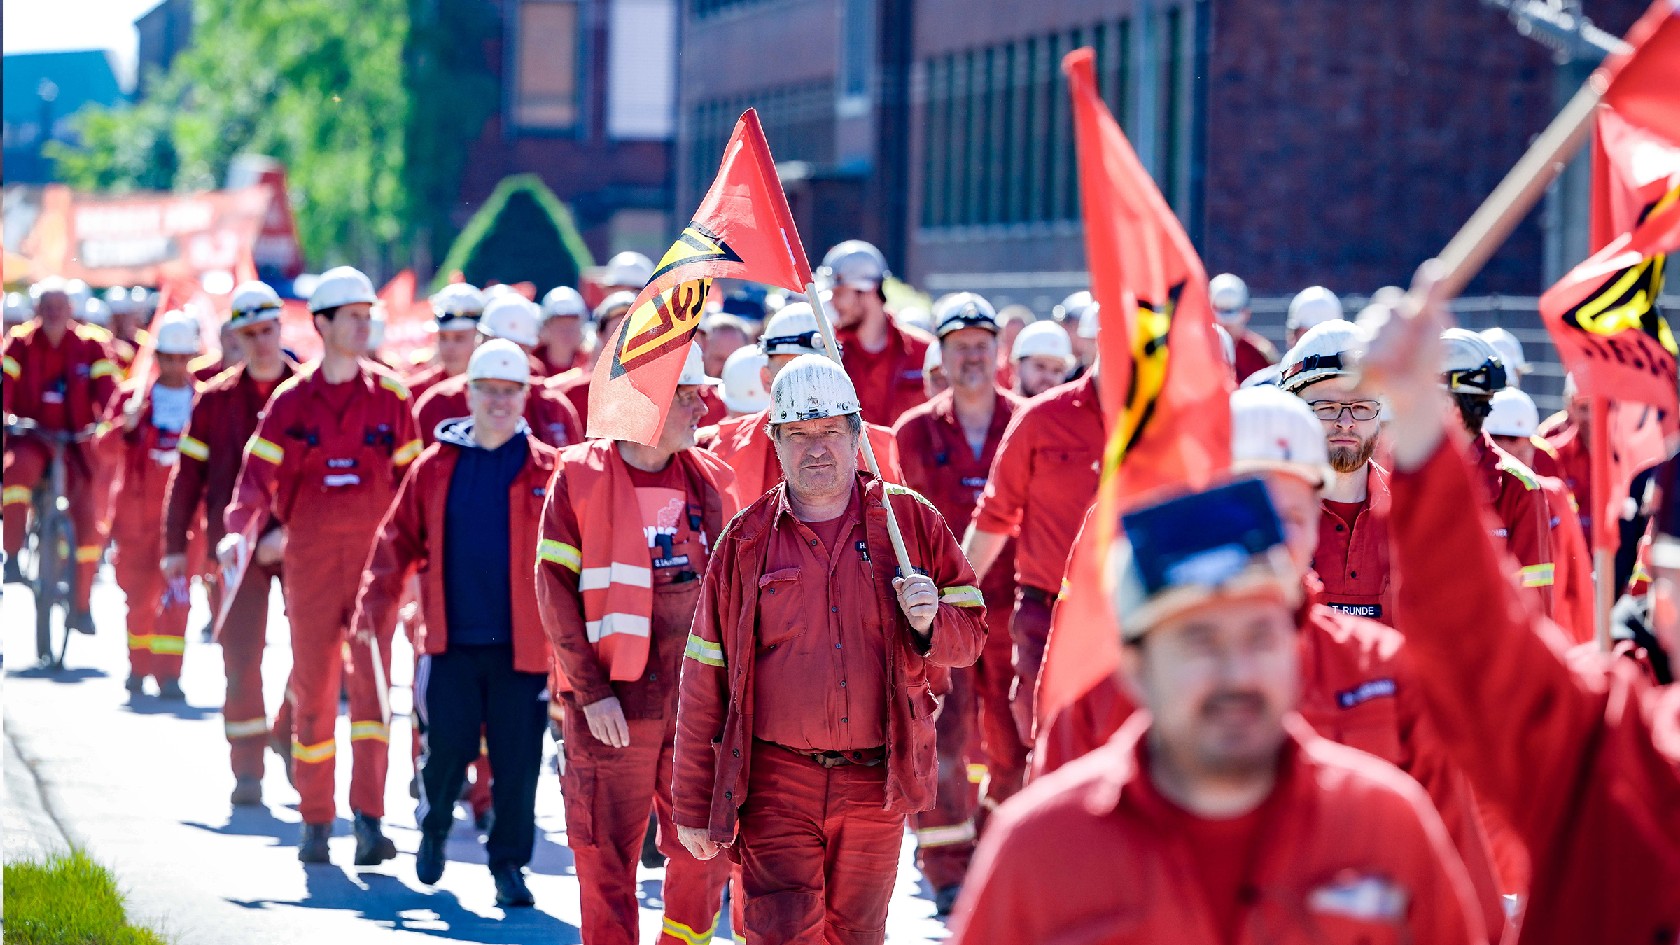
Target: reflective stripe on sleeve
[963, 595]
[1537, 575]
[702, 651]
[102, 368]
[15, 495]
[406, 455]
[194, 449]
[560, 553]
[14, 370]
[265, 450]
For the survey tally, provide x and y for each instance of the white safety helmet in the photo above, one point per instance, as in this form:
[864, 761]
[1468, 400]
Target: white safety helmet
[1090, 320]
[80, 292]
[511, 316]
[499, 360]
[742, 384]
[1043, 339]
[1469, 365]
[613, 303]
[1227, 293]
[1327, 350]
[811, 387]
[1272, 431]
[1513, 414]
[18, 308]
[93, 311]
[628, 268]
[793, 330]
[341, 285]
[854, 263]
[178, 334]
[961, 310]
[457, 307]
[120, 301]
[1311, 306]
[48, 285]
[1510, 353]
[253, 302]
[563, 301]
[144, 300]
[1227, 345]
[1070, 308]
[934, 357]
[694, 368]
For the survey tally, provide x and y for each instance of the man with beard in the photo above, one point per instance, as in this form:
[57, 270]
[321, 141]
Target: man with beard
[1352, 556]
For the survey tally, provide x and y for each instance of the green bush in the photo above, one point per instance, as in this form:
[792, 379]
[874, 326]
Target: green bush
[69, 900]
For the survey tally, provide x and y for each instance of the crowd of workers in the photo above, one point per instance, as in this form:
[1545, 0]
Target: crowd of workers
[1374, 706]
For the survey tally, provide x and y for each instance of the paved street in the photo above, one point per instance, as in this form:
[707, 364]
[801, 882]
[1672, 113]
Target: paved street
[143, 785]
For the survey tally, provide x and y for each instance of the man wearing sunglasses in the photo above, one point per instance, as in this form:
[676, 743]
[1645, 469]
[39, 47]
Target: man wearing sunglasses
[1352, 556]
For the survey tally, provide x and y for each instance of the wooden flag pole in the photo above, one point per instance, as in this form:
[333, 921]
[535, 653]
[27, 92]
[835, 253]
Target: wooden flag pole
[1604, 572]
[833, 350]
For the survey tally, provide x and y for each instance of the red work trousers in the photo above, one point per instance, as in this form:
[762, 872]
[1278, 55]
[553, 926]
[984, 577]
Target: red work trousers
[1001, 747]
[945, 833]
[26, 462]
[244, 635]
[609, 793]
[818, 851]
[1029, 628]
[323, 572]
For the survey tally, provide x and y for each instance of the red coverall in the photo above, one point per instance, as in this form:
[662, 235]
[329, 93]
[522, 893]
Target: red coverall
[744, 443]
[1345, 850]
[1584, 765]
[549, 415]
[142, 461]
[1254, 353]
[939, 463]
[610, 791]
[1041, 484]
[1569, 448]
[63, 388]
[1523, 517]
[212, 448]
[889, 381]
[325, 463]
[818, 845]
[1352, 562]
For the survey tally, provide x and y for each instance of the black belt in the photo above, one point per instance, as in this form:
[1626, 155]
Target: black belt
[863, 757]
[1036, 594]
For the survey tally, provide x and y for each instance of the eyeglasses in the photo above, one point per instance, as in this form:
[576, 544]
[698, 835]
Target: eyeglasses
[1332, 409]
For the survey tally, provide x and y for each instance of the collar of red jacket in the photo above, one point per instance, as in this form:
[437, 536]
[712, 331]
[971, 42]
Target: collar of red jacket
[749, 527]
[1125, 764]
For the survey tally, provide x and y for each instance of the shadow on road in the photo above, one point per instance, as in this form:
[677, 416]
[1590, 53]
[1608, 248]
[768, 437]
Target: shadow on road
[261, 822]
[74, 675]
[152, 705]
[391, 904]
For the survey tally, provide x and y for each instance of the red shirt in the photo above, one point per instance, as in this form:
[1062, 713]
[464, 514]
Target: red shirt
[1044, 478]
[1352, 555]
[889, 381]
[671, 519]
[1254, 353]
[1523, 517]
[820, 679]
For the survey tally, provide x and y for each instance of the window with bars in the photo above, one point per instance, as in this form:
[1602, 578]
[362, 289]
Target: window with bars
[798, 121]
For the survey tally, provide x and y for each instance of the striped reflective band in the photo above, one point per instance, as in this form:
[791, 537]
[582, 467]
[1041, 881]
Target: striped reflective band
[245, 728]
[683, 933]
[103, 368]
[976, 773]
[404, 456]
[945, 836]
[311, 754]
[362, 731]
[194, 449]
[560, 553]
[963, 595]
[265, 450]
[140, 641]
[1537, 575]
[87, 554]
[595, 579]
[609, 624]
[702, 651]
[394, 386]
[14, 370]
[16, 495]
[165, 645]
[894, 488]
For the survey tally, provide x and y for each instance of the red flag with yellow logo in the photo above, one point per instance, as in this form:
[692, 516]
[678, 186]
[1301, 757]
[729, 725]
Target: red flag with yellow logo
[743, 230]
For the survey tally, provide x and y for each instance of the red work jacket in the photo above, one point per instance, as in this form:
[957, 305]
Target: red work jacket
[1254, 353]
[715, 729]
[1569, 448]
[549, 415]
[1585, 766]
[142, 460]
[1352, 560]
[889, 381]
[1349, 853]
[77, 396]
[1524, 518]
[744, 443]
[411, 538]
[1043, 479]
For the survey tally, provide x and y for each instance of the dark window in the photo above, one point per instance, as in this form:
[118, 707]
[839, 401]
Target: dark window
[545, 68]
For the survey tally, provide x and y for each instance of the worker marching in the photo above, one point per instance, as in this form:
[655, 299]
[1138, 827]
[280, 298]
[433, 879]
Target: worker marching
[1324, 728]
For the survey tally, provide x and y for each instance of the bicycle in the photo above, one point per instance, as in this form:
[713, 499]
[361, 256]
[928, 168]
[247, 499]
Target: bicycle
[48, 557]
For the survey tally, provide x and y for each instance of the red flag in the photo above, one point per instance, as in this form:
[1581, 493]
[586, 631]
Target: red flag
[1163, 380]
[743, 230]
[1631, 170]
[1641, 82]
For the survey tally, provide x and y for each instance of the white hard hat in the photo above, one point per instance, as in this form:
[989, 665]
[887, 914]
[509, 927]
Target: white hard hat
[1090, 320]
[743, 380]
[457, 307]
[1265, 377]
[144, 300]
[18, 307]
[1227, 293]
[253, 302]
[563, 301]
[1227, 346]
[1469, 364]
[513, 317]
[499, 360]
[793, 330]
[93, 311]
[811, 387]
[612, 303]
[1311, 306]
[341, 285]
[48, 285]
[914, 316]
[1276, 431]
[1043, 339]
[934, 357]
[120, 301]
[79, 291]
[628, 268]
[694, 368]
[1510, 352]
[178, 334]
[1513, 414]
[1070, 308]
[1326, 350]
[961, 310]
[854, 263]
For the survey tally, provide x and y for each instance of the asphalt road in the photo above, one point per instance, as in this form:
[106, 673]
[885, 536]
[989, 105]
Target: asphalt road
[142, 784]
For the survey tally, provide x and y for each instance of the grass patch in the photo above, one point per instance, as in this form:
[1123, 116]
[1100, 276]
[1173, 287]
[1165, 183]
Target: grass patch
[69, 900]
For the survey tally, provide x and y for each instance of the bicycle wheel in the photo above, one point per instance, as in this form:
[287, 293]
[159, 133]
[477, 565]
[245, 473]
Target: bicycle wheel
[56, 588]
